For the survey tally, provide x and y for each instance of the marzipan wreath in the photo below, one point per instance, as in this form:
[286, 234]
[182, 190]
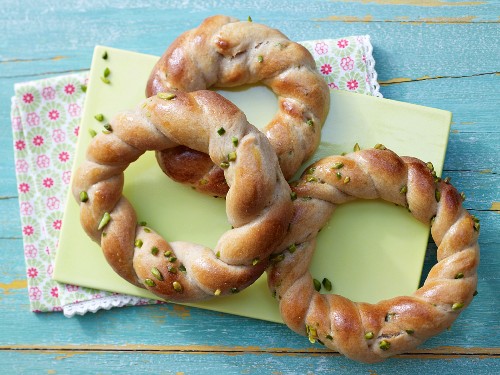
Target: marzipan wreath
[371, 332]
[258, 203]
[225, 52]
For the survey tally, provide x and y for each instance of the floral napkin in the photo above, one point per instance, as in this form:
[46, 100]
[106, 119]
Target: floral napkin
[45, 117]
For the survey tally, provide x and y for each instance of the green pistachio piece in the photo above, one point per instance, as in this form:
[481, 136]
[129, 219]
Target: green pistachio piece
[311, 179]
[235, 141]
[327, 284]
[457, 306]
[356, 147]
[433, 219]
[167, 254]
[430, 166]
[404, 189]
[369, 335]
[447, 180]
[84, 88]
[166, 95]
[437, 195]
[317, 285]
[84, 197]
[292, 248]
[156, 273]
[108, 127]
[234, 290]
[312, 334]
[155, 250]
[339, 175]
[462, 195]
[217, 255]
[380, 146]
[475, 293]
[337, 165]
[182, 268]
[104, 221]
[293, 195]
[217, 292]
[105, 80]
[105, 55]
[347, 180]
[107, 72]
[177, 286]
[149, 282]
[276, 258]
[260, 58]
[143, 223]
[249, 19]
[147, 230]
[384, 345]
[221, 131]
[224, 165]
[138, 243]
[459, 275]
[255, 261]
[92, 133]
[172, 259]
[310, 122]
[311, 170]
[231, 156]
[329, 337]
[172, 269]
[99, 117]
[410, 331]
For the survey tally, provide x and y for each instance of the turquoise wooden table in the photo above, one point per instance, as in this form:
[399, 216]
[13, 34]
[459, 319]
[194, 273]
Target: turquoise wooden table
[437, 53]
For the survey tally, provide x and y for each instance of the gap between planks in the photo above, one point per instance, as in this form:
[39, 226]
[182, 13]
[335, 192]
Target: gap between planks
[438, 353]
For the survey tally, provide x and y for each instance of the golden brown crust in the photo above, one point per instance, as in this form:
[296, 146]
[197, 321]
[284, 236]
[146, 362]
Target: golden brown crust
[225, 52]
[373, 332]
[258, 204]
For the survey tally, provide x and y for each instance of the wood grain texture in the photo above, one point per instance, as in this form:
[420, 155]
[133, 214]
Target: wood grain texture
[436, 53]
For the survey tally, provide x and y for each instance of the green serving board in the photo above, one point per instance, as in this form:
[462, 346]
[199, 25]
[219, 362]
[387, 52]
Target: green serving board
[370, 250]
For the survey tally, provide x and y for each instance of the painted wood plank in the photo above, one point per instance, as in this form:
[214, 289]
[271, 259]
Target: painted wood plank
[62, 361]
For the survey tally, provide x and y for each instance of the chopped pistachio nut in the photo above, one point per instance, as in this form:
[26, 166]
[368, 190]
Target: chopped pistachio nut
[292, 248]
[84, 88]
[347, 180]
[108, 127]
[339, 175]
[143, 223]
[312, 334]
[149, 282]
[92, 133]
[410, 331]
[404, 189]
[249, 19]
[384, 345]
[182, 268]
[177, 286]
[172, 259]
[221, 131]
[167, 254]
[84, 197]
[105, 55]
[311, 179]
[166, 95]
[327, 284]
[105, 80]
[433, 219]
[459, 275]
[329, 337]
[156, 273]
[475, 293]
[317, 285]
[255, 261]
[172, 269]
[99, 117]
[217, 292]
[104, 221]
[311, 170]
[154, 250]
[147, 230]
[447, 180]
[430, 166]
[217, 254]
[276, 258]
[369, 335]
[234, 290]
[310, 122]
[462, 195]
[457, 306]
[203, 181]
[224, 165]
[107, 72]
[235, 141]
[337, 165]
[260, 58]
[437, 195]
[138, 242]
[380, 146]
[231, 156]
[356, 147]
[293, 195]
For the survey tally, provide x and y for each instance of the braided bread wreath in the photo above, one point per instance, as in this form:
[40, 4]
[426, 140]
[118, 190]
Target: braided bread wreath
[372, 332]
[258, 203]
[225, 52]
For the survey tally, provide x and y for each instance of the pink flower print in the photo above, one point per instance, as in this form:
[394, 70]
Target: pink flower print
[28, 230]
[69, 89]
[20, 145]
[48, 93]
[66, 177]
[54, 292]
[33, 119]
[333, 86]
[38, 140]
[363, 58]
[16, 123]
[74, 110]
[59, 135]
[26, 209]
[24, 187]
[32, 272]
[342, 43]
[30, 251]
[321, 48]
[63, 156]
[48, 182]
[57, 309]
[22, 166]
[352, 84]
[28, 98]
[76, 131]
[71, 288]
[347, 63]
[326, 69]
[53, 203]
[35, 293]
[57, 224]
[53, 114]
[50, 270]
[43, 161]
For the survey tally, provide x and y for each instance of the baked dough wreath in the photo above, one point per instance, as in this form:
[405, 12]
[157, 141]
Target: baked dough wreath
[226, 52]
[258, 203]
[371, 332]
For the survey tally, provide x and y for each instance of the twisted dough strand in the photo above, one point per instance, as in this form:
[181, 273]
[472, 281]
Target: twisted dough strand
[372, 332]
[225, 52]
[258, 204]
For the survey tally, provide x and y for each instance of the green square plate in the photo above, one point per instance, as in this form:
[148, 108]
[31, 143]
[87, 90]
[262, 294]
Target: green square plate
[370, 250]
